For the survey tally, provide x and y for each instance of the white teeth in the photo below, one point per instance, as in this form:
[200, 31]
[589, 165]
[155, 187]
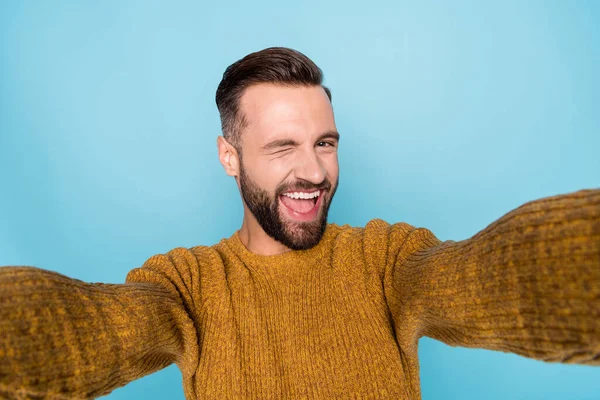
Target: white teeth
[302, 195]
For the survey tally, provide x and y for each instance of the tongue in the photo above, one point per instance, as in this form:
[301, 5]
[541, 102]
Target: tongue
[299, 205]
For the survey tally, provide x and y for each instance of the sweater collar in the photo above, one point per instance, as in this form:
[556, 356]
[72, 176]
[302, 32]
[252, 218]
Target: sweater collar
[292, 256]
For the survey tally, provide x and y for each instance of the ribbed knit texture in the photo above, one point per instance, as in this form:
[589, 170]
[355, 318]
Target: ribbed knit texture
[341, 320]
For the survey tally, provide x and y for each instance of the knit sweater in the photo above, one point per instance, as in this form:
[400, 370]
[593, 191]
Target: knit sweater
[340, 320]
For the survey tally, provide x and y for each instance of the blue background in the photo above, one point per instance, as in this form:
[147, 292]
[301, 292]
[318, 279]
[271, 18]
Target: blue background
[451, 114]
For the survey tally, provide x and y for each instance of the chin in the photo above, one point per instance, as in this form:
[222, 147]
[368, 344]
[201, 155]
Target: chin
[303, 235]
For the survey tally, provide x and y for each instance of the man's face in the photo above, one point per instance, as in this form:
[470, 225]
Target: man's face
[289, 167]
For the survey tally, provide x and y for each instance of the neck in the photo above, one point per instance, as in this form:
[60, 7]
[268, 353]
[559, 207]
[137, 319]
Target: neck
[256, 240]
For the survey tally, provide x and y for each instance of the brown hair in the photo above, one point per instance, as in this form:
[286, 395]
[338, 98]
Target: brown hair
[277, 65]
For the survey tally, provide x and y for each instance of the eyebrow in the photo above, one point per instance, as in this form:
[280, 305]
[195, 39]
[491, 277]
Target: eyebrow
[289, 142]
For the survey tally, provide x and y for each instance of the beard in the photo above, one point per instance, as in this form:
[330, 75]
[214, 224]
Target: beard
[296, 235]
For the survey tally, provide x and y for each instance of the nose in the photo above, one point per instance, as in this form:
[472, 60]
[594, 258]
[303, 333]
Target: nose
[310, 168]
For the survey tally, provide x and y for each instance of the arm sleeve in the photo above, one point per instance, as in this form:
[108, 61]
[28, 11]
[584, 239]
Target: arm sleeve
[63, 338]
[529, 283]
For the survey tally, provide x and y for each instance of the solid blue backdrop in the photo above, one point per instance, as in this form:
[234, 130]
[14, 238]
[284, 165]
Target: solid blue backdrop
[451, 114]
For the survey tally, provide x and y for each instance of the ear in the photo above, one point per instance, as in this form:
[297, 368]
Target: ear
[228, 156]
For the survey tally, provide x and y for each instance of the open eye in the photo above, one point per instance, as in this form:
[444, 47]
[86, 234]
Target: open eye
[326, 144]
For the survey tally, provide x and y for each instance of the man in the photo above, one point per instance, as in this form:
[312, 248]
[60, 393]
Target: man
[292, 307]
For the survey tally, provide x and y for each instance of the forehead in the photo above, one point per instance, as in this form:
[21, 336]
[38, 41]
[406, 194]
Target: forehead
[274, 110]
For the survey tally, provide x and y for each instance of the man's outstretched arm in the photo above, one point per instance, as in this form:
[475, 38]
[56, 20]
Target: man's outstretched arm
[63, 338]
[529, 283]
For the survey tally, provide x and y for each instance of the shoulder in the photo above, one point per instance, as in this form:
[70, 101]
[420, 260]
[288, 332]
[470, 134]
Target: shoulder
[181, 269]
[181, 260]
[375, 234]
[381, 243]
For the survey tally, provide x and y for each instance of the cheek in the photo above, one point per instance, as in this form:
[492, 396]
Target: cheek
[270, 175]
[332, 167]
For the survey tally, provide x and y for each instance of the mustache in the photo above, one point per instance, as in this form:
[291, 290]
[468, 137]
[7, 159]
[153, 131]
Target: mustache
[303, 186]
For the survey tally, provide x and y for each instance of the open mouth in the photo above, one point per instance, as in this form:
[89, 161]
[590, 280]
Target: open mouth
[302, 205]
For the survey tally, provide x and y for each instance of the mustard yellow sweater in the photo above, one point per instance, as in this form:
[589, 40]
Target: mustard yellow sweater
[341, 320]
